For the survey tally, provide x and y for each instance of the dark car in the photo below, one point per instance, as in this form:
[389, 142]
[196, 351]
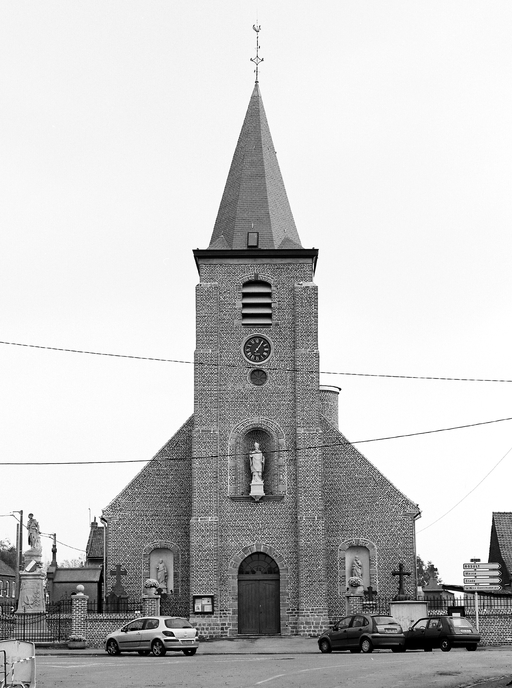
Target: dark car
[444, 632]
[155, 634]
[363, 633]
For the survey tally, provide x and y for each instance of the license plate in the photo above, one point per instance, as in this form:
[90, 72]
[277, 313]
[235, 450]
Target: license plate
[187, 641]
[465, 630]
[390, 630]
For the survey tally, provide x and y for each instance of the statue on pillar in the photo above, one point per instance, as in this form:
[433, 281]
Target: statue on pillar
[257, 464]
[31, 599]
[34, 534]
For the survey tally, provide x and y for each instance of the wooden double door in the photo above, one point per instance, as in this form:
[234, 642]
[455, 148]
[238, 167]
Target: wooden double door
[258, 597]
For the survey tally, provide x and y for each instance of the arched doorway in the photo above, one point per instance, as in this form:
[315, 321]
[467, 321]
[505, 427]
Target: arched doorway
[258, 595]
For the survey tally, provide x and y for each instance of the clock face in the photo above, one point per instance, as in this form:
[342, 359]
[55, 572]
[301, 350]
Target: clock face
[257, 349]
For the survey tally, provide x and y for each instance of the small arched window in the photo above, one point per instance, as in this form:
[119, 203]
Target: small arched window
[258, 564]
[256, 303]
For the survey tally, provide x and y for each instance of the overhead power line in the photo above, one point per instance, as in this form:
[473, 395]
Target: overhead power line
[269, 451]
[269, 368]
[467, 494]
[48, 535]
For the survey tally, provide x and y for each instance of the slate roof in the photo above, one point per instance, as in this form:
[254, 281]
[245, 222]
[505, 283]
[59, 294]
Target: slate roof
[254, 198]
[95, 543]
[500, 549]
[84, 574]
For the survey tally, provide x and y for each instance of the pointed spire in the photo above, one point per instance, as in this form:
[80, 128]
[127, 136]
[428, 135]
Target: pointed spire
[254, 211]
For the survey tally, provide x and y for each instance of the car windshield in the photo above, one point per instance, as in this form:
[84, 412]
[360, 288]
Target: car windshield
[177, 623]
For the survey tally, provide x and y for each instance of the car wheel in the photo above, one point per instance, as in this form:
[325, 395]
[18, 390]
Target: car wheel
[191, 651]
[471, 648]
[325, 645]
[113, 647]
[144, 653]
[158, 648]
[445, 645]
[366, 646]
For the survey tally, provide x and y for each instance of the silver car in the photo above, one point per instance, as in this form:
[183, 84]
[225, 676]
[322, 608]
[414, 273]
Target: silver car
[155, 634]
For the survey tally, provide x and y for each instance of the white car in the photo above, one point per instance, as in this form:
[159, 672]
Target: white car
[155, 634]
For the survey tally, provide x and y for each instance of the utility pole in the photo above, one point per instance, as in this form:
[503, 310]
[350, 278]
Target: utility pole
[19, 551]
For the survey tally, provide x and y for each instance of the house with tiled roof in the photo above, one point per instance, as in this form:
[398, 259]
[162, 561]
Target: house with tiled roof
[62, 581]
[7, 584]
[500, 548]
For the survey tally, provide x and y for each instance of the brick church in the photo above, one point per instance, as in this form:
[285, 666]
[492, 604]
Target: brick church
[258, 516]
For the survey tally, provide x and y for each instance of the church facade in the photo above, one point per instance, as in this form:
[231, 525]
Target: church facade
[262, 517]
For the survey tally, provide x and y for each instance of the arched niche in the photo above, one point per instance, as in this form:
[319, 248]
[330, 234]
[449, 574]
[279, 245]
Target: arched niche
[353, 554]
[270, 438]
[162, 557]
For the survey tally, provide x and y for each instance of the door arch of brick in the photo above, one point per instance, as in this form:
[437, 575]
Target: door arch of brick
[258, 595]
[232, 576]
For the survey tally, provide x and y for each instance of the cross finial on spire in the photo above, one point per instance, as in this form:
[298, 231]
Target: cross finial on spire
[257, 59]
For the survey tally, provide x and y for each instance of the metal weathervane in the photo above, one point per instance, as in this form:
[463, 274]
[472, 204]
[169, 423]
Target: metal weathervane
[257, 59]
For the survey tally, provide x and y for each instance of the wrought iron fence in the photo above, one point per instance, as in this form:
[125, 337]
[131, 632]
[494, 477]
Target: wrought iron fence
[44, 627]
[122, 606]
[464, 604]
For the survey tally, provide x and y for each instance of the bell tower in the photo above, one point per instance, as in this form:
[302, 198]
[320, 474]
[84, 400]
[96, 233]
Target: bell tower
[256, 404]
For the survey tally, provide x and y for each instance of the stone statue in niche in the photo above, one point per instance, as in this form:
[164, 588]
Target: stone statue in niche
[257, 462]
[357, 568]
[161, 575]
[257, 465]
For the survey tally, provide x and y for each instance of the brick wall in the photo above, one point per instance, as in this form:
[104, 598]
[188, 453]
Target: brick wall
[193, 497]
[154, 511]
[364, 509]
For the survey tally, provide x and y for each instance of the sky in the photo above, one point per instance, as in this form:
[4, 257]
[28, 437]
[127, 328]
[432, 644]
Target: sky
[391, 121]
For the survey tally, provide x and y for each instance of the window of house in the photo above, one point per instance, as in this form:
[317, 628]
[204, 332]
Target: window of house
[256, 303]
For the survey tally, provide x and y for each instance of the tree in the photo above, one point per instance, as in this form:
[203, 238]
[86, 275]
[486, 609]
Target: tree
[8, 554]
[76, 563]
[426, 571]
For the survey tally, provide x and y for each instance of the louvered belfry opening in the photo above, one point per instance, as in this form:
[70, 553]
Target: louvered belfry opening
[257, 303]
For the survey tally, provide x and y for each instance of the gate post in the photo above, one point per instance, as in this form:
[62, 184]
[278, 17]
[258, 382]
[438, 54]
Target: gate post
[79, 612]
[150, 606]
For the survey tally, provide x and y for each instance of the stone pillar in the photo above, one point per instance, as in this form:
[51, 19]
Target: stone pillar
[311, 550]
[31, 599]
[31, 620]
[79, 612]
[150, 605]
[204, 522]
[354, 604]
